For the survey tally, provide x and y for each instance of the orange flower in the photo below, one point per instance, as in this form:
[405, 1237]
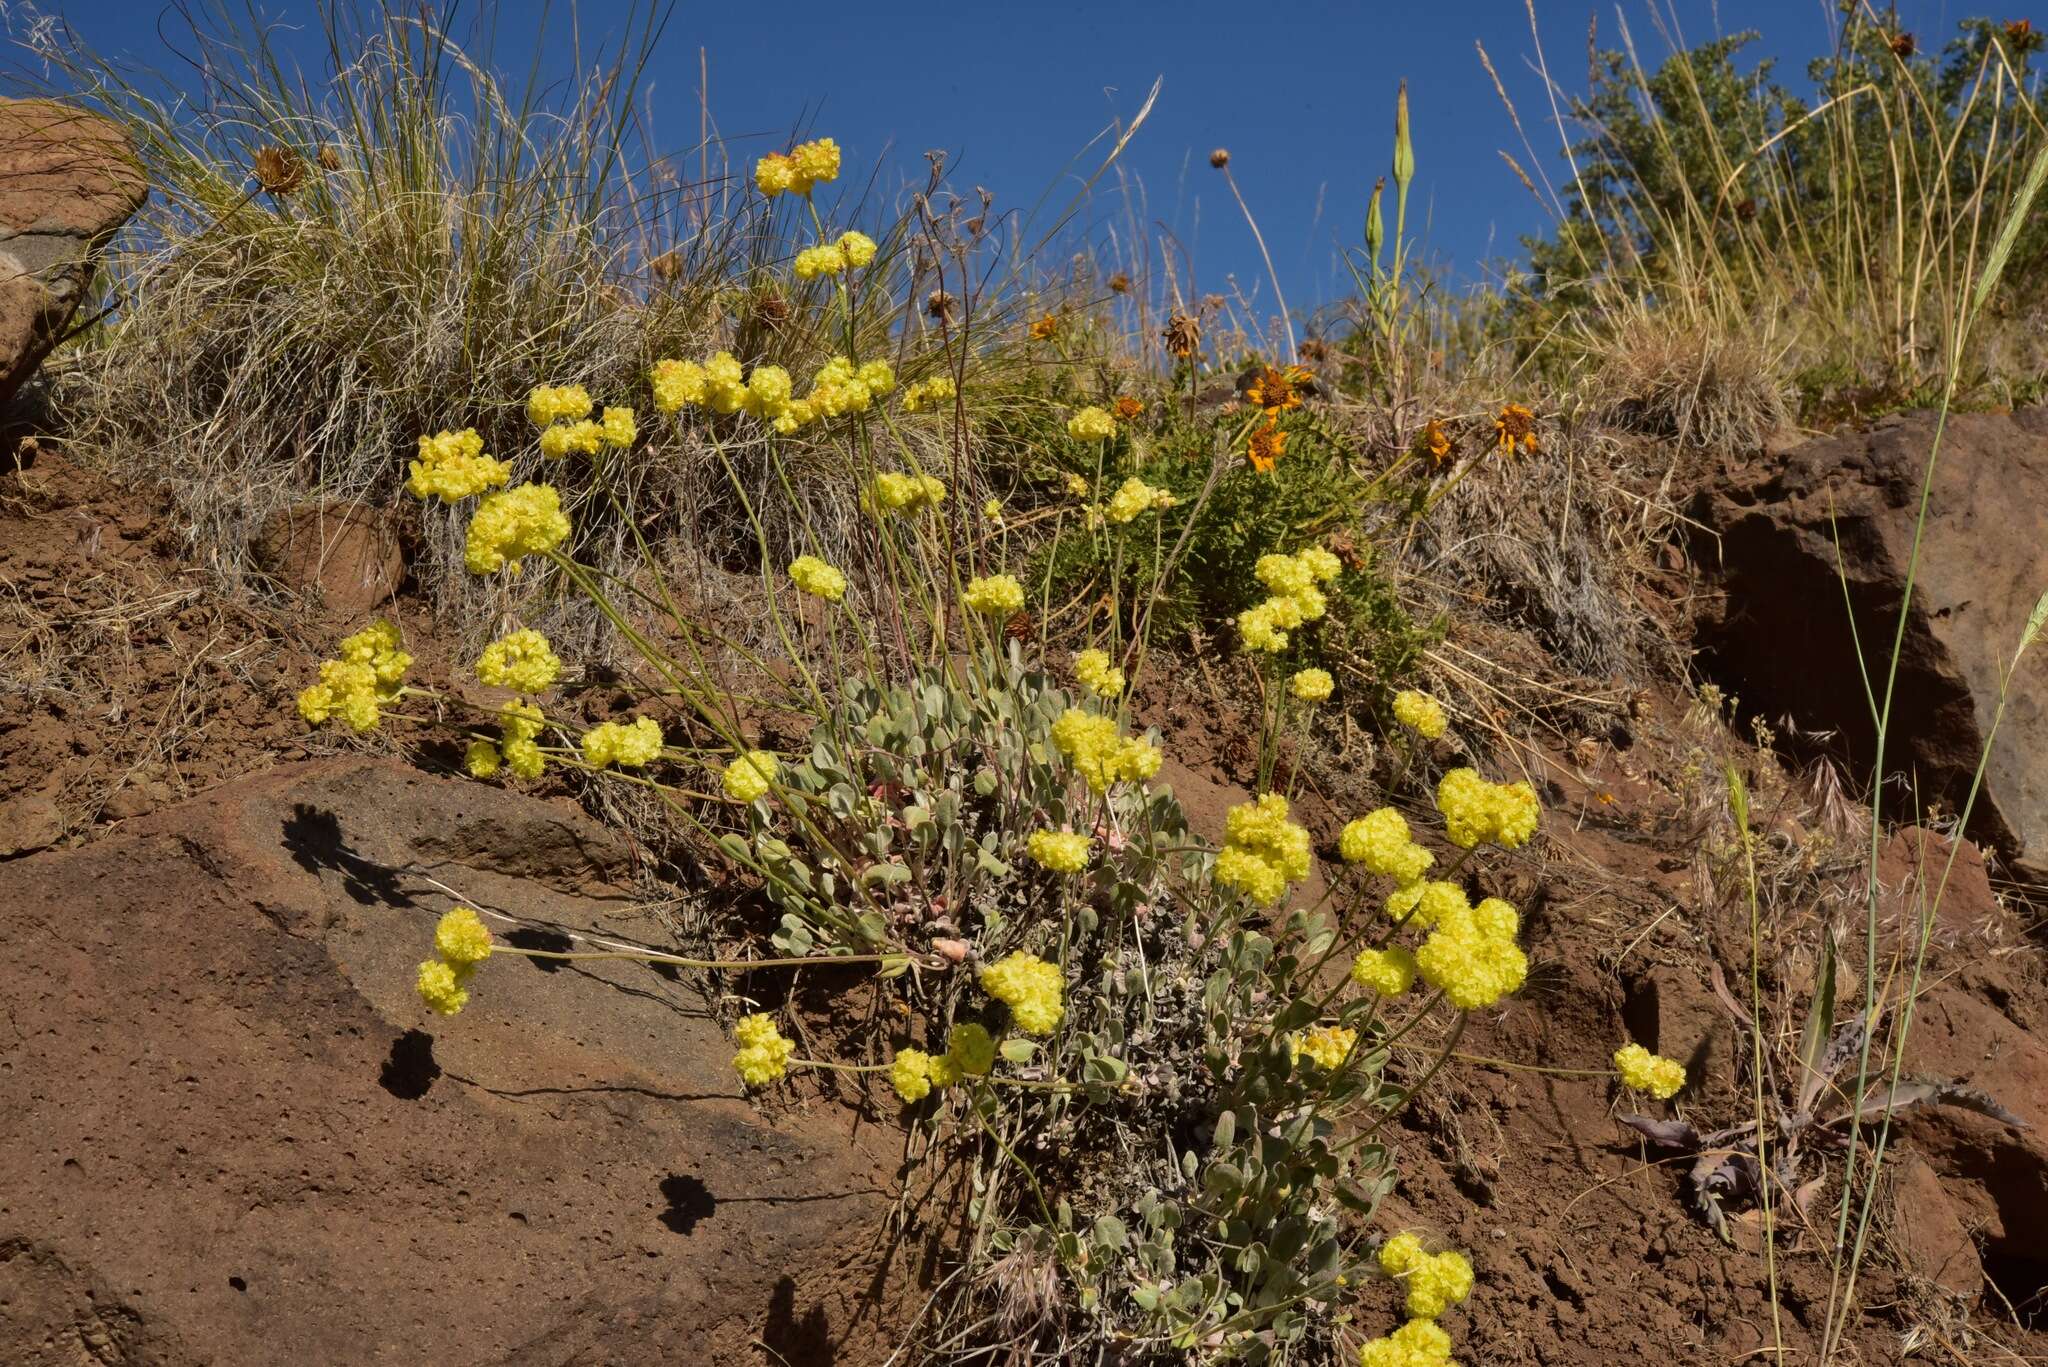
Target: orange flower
[1128, 408]
[2020, 35]
[1268, 444]
[1044, 328]
[1436, 441]
[1273, 390]
[1516, 426]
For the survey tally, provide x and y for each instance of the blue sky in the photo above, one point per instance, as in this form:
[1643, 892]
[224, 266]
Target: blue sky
[1302, 95]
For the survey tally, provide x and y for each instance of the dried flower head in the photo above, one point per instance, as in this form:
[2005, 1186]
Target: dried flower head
[1515, 427]
[1183, 335]
[1220, 158]
[279, 170]
[1044, 328]
[330, 158]
[666, 267]
[1127, 408]
[1902, 44]
[940, 307]
[1119, 283]
[1436, 441]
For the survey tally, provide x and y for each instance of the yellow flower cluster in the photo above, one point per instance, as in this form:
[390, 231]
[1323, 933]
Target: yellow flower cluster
[550, 404]
[1435, 1282]
[1060, 851]
[1103, 757]
[1095, 673]
[522, 661]
[998, 595]
[512, 523]
[1424, 904]
[1134, 498]
[518, 746]
[355, 687]
[453, 465]
[1030, 987]
[969, 1053]
[1418, 1343]
[748, 777]
[1477, 812]
[1644, 1071]
[815, 577]
[1326, 1046]
[895, 492]
[929, 393]
[1389, 972]
[1471, 955]
[564, 439]
[1420, 711]
[1262, 850]
[1091, 424]
[1313, 685]
[1295, 584]
[1379, 841]
[853, 250]
[629, 747]
[764, 1053]
[794, 172]
[462, 942]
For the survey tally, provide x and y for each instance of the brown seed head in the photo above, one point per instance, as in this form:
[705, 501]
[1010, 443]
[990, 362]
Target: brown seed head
[1119, 283]
[1220, 158]
[667, 266]
[940, 306]
[278, 170]
[1183, 335]
[330, 158]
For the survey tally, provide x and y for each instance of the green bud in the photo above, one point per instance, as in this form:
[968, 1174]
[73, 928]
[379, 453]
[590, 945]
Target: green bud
[1375, 226]
[1404, 149]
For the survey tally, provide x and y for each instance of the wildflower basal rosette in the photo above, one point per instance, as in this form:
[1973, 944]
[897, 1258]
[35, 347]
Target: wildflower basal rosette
[1262, 850]
[628, 746]
[514, 523]
[452, 465]
[1643, 1071]
[764, 1054]
[1103, 757]
[1031, 988]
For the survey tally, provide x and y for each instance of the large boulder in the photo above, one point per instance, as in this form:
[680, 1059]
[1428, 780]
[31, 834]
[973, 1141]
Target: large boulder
[68, 179]
[1779, 630]
[230, 1133]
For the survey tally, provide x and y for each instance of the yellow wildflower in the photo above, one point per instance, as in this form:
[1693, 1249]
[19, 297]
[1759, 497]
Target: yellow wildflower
[998, 595]
[1263, 851]
[1313, 685]
[629, 747]
[1030, 987]
[877, 377]
[910, 1073]
[1389, 972]
[1102, 756]
[1644, 1071]
[1091, 424]
[1092, 668]
[453, 465]
[816, 162]
[522, 661]
[725, 389]
[929, 393]
[1044, 328]
[815, 577]
[1267, 445]
[549, 404]
[970, 1051]
[572, 438]
[461, 938]
[481, 759]
[775, 174]
[618, 427]
[1477, 812]
[895, 492]
[677, 384]
[1420, 711]
[442, 987]
[1133, 498]
[1380, 842]
[512, 523]
[749, 776]
[813, 262]
[1326, 1046]
[1060, 851]
[1516, 426]
[1418, 1343]
[764, 1054]
[524, 758]
[857, 248]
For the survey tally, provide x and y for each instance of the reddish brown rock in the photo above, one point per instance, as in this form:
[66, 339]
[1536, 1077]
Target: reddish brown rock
[68, 180]
[228, 1130]
[1779, 631]
[349, 553]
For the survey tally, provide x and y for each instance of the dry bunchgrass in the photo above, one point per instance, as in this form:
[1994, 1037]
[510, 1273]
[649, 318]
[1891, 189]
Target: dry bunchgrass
[1696, 384]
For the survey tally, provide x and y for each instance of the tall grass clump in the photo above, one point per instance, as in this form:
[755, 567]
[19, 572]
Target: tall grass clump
[1725, 244]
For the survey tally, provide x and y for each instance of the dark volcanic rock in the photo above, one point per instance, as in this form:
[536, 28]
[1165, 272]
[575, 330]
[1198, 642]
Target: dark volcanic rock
[1780, 633]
